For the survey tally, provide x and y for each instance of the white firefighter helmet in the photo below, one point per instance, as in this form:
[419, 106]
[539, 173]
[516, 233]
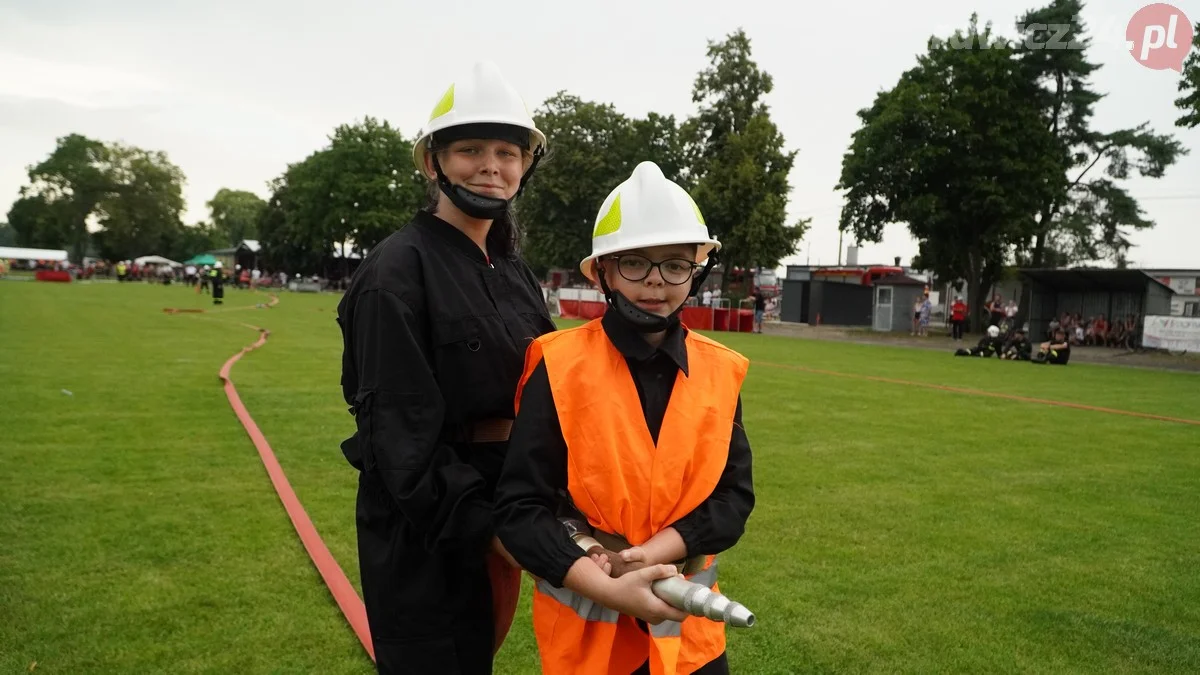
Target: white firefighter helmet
[993, 331]
[647, 210]
[484, 97]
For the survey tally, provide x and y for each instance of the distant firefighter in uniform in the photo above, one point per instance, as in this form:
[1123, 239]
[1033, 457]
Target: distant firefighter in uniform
[989, 345]
[217, 277]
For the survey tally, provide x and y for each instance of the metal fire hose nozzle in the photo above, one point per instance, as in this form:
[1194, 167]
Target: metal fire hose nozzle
[700, 600]
[686, 596]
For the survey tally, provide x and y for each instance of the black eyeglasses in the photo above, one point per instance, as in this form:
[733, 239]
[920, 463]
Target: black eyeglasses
[674, 271]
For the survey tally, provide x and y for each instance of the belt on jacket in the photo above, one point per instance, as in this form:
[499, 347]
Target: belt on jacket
[616, 543]
[494, 430]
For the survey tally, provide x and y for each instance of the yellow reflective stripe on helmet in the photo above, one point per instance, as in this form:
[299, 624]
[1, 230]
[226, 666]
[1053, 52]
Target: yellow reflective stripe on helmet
[699, 216]
[443, 106]
[611, 222]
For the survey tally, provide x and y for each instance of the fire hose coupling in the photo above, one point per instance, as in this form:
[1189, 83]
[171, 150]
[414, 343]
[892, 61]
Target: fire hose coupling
[580, 533]
[686, 596]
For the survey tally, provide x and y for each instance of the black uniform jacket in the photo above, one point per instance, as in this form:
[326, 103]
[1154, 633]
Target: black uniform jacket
[435, 334]
[532, 491]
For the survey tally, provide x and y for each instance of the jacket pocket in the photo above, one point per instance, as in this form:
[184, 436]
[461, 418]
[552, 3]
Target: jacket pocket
[461, 364]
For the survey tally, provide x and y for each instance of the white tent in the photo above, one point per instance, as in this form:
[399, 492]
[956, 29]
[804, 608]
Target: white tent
[156, 260]
[12, 253]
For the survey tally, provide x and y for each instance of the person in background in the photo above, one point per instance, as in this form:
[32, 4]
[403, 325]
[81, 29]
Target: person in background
[1056, 351]
[925, 308]
[916, 319]
[958, 317]
[760, 309]
[217, 279]
[1131, 332]
[1018, 347]
[706, 297]
[1099, 331]
[990, 344]
[995, 310]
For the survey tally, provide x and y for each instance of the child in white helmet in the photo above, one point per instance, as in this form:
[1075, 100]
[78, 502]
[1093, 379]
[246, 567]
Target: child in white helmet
[629, 431]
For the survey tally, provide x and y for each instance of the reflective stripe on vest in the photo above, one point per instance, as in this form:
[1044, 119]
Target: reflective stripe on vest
[707, 577]
[586, 609]
[625, 483]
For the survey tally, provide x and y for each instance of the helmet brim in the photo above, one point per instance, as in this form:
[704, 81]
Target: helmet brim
[537, 139]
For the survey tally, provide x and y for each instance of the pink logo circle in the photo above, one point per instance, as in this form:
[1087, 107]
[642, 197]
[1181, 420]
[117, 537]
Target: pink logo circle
[1159, 36]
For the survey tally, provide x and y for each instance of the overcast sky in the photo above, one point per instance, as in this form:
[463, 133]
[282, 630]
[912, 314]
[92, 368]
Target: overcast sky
[234, 91]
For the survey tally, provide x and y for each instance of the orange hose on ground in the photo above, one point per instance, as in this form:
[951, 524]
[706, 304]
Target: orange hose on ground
[339, 586]
[505, 579]
[979, 392]
[190, 310]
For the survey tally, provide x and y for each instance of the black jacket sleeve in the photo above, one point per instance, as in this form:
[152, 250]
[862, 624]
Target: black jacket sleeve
[399, 413]
[719, 521]
[527, 495]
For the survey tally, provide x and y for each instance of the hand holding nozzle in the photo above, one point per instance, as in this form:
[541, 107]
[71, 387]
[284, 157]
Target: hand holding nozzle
[678, 592]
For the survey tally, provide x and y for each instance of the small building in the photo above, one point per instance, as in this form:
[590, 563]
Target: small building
[894, 299]
[1091, 292]
[244, 254]
[1185, 284]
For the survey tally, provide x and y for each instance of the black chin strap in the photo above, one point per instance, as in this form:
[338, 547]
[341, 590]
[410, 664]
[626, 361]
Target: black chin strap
[476, 205]
[641, 320]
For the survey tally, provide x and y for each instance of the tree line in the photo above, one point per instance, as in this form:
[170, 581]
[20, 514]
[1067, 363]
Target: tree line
[985, 149]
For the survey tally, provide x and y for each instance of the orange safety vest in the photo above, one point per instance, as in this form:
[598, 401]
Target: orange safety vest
[625, 485]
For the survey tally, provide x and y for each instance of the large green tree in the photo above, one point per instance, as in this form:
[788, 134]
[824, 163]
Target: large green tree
[140, 214]
[235, 214]
[8, 236]
[356, 191]
[1090, 216]
[948, 152]
[593, 148]
[39, 221]
[77, 174]
[134, 196]
[1189, 85]
[737, 161]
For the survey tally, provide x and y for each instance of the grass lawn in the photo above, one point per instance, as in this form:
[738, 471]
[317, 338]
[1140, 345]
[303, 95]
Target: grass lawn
[898, 528]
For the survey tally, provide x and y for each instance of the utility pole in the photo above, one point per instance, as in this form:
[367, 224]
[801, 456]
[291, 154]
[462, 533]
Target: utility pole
[840, 247]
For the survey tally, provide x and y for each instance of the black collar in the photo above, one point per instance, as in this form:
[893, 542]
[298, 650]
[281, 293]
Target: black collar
[450, 234]
[632, 345]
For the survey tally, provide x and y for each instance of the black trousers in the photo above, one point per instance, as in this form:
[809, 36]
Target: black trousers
[956, 327]
[429, 611]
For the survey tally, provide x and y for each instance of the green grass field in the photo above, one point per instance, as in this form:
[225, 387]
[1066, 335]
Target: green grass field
[898, 528]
